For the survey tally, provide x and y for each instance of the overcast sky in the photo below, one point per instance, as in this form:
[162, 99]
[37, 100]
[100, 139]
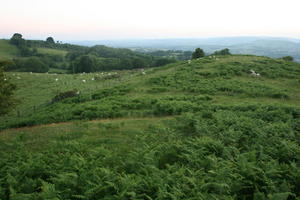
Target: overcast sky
[119, 19]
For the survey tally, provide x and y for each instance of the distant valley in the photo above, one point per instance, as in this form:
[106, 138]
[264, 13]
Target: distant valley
[263, 46]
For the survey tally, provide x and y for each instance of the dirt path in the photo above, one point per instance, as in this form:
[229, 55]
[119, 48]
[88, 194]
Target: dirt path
[90, 121]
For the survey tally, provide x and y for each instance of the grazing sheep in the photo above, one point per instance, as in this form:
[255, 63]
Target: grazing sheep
[56, 79]
[84, 81]
[93, 79]
[5, 79]
[253, 73]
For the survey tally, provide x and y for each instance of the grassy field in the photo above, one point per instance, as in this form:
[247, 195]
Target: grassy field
[201, 130]
[52, 51]
[7, 50]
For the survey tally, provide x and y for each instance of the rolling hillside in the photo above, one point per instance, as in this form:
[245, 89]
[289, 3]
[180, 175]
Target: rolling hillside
[10, 51]
[200, 129]
[262, 46]
[7, 50]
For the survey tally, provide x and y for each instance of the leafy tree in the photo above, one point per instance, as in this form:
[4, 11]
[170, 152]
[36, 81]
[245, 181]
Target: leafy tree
[17, 40]
[287, 58]
[163, 61]
[31, 64]
[85, 63]
[7, 101]
[25, 51]
[34, 64]
[222, 52]
[5, 64]
[50, 40]
[198, 53]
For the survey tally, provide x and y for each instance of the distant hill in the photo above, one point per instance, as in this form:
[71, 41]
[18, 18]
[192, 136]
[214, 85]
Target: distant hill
[7, 50]
[264, 46]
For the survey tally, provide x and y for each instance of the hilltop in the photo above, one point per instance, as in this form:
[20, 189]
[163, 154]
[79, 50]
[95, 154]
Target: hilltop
[22, 55]
[201, 129]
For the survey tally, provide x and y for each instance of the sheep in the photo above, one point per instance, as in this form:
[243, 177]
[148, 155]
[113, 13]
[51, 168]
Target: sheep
[56, 79]
[18, 77]
[84, 81]
[143, 72]
[253, 73]
[5, 79]
[189, 61]
[93, 79]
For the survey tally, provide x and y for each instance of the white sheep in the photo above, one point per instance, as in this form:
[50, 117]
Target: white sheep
[5, 79]
[189, 61]
[93, 79]
[253, 73]
[84, 81]
[56, 79]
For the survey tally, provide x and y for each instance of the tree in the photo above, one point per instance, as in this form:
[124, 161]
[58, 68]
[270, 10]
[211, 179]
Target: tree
[223, 52]
[34, 64]
[198, 53]
[50, 40]
[85, 63]
[288, 58]
[17, 40]
[7, 102]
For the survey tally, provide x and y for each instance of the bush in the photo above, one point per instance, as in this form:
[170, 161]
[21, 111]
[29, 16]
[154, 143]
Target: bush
[64, 95]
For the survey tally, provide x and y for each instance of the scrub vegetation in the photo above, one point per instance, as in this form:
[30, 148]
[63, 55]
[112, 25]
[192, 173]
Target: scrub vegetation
[205, 128]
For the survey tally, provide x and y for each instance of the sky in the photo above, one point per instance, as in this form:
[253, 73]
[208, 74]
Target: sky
[125, 19]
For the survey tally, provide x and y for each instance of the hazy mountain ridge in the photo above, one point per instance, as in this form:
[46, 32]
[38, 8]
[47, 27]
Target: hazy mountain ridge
[264, 46]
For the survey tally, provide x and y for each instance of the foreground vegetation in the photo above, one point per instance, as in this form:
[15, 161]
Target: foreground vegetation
[200, 129]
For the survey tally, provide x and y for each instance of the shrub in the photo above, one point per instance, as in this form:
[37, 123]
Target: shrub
[64, 95]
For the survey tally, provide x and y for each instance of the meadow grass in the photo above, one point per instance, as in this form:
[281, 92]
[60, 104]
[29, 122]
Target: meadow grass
[52, 51]
[7, 50]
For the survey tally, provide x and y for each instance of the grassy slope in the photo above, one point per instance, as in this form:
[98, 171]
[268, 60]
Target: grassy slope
[143, 155]
[7, 50]
[52, 51]
[36, 90]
